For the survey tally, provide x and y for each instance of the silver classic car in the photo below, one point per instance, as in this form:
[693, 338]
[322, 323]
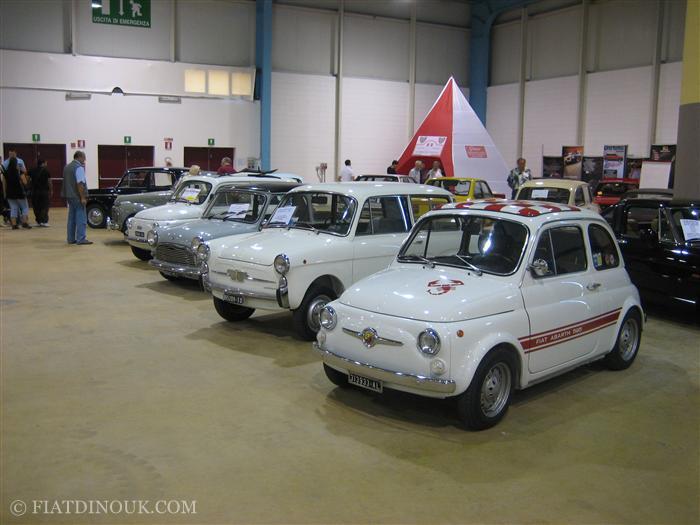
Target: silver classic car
[126, 206]
[234, 209]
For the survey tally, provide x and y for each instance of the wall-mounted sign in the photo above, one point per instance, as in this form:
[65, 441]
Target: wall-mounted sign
[210, 142]
[614, 158]
[127, 139]
[476, 152]
[429, 146]
[36, 137]
[81, 143]
[573, 161]
[136, 13]
[168, 142]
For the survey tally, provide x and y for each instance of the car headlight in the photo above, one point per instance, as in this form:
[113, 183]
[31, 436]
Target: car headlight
[203, 252]
[195, 243]
[281, 263]
[429, 342]
[129, 222]
[152, 237]
[328, 317]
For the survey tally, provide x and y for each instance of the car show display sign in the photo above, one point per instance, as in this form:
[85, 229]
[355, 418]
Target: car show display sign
[662, 152]
[552, 167]
[573, 158]
[592, 169]
[429, 146]
[614, 158]
[134, 13]
[476, 152]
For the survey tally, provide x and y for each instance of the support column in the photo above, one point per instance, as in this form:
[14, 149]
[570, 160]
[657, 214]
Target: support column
[523, 78]
[687, 177]
[339, 89]
[582, 76]
[656, 73]
[412, 73]
[263, 64]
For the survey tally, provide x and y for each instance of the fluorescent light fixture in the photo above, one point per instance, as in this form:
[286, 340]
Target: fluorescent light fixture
[169, 100]
[195, 81]
[218, 82]
[242, 84]
[78, 96]
[97, 4]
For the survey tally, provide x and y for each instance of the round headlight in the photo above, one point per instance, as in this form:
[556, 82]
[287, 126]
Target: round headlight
[328, 318]
[152, 237]
[203, 252]
[129, 222]
[429, 342]
[282, 263]
[195, 243]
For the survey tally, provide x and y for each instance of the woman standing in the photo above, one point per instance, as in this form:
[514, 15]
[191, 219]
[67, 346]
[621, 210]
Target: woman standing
[13, 183]
[41, 192]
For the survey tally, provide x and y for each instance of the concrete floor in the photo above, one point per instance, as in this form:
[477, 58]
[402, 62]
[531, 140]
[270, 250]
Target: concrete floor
[119, 385]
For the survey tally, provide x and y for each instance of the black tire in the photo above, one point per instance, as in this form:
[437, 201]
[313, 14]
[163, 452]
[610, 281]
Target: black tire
[141, 254]
[335, 377]
[630, 333]
[232, 312]
[169, 277]
[496, 370]
[305, 317]
[96, 215]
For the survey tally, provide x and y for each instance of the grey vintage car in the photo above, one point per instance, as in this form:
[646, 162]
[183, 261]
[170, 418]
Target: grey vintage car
[234, 209]
[126, 206]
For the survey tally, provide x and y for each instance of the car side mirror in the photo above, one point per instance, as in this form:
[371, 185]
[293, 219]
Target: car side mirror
[539, 268]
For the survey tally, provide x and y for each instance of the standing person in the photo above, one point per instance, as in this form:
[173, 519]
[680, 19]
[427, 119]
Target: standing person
[346, 173]
[415, 173]
[74, 190]
[391, 170]
[4, 206]
[12, 154]
[226, 167]
[13, 184]
[436, 171]
[518, 176]
[40, 181]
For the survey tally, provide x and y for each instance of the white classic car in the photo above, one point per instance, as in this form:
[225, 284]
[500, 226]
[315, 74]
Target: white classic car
[188, 203]
[486, 297]
[559, 191]
[320, 240]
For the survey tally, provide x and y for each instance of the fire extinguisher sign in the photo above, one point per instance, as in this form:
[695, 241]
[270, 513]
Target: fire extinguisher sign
[168, 141]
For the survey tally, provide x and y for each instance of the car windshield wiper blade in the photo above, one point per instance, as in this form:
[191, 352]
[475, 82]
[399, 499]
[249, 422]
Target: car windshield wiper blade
[416, 258]
[305, 226]
[473, 268]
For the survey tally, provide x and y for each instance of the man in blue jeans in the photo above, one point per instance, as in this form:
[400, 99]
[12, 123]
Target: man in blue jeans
[74, 190]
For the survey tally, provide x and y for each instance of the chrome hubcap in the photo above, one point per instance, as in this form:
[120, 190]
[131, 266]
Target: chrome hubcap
[629, 336]
[313, 315]
[495, 390]
[95, 216]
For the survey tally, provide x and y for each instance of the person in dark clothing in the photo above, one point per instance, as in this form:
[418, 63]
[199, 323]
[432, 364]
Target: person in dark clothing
[391, 170]
[13, 183]
[40, 181]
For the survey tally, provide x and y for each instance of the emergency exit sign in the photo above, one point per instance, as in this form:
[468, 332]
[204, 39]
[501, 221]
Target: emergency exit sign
[36, 137]
[210, 142]
[135, 13]
[127, 139]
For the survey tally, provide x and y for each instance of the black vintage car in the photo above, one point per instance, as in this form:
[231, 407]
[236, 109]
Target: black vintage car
[660, 241]
[134, 180]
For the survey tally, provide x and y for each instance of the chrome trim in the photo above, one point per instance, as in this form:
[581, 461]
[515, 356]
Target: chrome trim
[175, 269]
[247, 278]
[245, 293]
[377, 339]
[428, 384]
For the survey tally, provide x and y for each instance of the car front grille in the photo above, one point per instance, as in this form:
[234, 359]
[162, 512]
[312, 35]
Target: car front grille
[175, 254]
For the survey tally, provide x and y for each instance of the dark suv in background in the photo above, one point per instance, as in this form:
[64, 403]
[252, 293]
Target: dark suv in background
[135, 180]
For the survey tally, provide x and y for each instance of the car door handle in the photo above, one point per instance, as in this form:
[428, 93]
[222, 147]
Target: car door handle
[593, 286]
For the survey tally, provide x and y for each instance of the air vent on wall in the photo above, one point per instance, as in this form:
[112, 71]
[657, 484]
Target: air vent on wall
[78, 96]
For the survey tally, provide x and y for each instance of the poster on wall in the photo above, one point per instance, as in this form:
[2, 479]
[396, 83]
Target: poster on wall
[572, 157]
[614, 158]
[662, 153]
[633, 168]
[552, 167]
[592, 170]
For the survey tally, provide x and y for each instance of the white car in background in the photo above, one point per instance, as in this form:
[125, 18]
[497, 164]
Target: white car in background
[559, 191]
[320, 240]
[188, 203]
[484, 298]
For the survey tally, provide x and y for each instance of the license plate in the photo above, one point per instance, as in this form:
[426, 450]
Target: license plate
[139, 234]
[233, 298]
[364, 382]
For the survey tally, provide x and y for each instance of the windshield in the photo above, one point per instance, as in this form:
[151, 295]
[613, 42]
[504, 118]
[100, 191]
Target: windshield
[318, 211]
[543, 193]
[467, 241]
[237, 205]
[194, 192]
[455, 187]
[687, 223]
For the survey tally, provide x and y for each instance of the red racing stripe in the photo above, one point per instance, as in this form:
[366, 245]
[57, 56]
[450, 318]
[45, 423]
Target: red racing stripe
[539, 342]
[568, 325]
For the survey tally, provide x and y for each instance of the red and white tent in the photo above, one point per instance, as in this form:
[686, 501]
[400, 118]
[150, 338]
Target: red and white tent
[454, 135]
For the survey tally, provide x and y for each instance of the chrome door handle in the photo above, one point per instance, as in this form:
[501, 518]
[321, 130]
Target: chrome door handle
[593, 286]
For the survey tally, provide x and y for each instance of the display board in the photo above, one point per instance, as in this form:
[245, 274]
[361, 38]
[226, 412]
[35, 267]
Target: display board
[614, 162]
[655, 174]
[572, 157]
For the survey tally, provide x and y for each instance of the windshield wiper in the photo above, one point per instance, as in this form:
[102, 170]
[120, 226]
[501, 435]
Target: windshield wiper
[417, 258]
[305, 225]
[473, 268]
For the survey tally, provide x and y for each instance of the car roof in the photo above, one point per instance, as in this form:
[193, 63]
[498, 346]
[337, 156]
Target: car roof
[471, 179]
[554, 183]
[209, 176]
[362, 190]
[157, 168]
[522, 209]
[274, 186]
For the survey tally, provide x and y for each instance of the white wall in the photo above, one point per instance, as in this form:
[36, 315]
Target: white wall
[502, 119]
[669, 101]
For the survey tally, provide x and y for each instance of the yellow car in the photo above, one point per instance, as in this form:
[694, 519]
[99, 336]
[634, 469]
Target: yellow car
[464, 188]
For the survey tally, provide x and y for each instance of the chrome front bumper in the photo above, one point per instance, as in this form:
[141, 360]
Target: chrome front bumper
[410, 381]
[229, 290]
[111, 225]
[189, 272]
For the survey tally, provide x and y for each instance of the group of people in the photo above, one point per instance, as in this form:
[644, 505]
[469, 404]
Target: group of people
[17, 185]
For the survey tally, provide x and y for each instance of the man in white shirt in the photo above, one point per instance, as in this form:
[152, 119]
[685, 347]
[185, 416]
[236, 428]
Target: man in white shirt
[346, 173]
[435, 172]
[414, 174]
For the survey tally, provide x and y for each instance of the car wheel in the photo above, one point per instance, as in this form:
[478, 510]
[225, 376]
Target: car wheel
[486, 400]
[335, 377]
[141, 254]
[96, 216]
[306, 317]
[627, 344]
[232, 312]
[170, 277]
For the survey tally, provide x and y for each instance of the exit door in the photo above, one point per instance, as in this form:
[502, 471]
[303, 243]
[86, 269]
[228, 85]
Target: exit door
[113, 161]
[208, 159]
[53, 154]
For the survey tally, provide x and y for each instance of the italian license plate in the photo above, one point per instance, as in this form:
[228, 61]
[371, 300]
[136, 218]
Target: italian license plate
[233, 298]
[364, 382]
[139, 234]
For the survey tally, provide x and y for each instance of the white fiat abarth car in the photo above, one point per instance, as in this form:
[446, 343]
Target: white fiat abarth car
[320, 240]
[486, 297]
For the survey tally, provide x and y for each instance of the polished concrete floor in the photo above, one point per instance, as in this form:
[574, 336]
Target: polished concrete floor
[119, 385]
